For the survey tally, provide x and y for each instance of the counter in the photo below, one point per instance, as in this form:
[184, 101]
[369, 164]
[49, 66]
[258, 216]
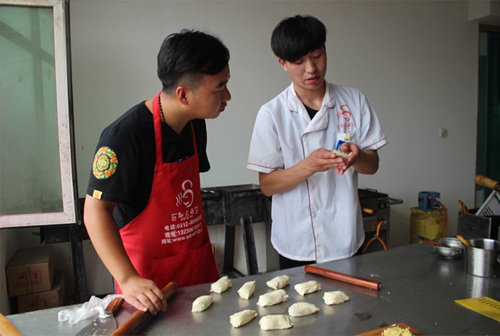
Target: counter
[418, 288]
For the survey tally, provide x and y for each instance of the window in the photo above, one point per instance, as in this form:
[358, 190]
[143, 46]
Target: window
[36, 169]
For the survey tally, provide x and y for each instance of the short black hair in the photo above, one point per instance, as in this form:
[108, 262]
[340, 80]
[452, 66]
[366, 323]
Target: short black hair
[187, 55]
[297, 36]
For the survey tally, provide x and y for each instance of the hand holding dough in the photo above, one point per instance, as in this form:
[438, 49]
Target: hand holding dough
[247, 290]
[272, 298]
[278, 282]
[273, 322]
[335, 297]
[242, 317]
[302, 309]
[201, 303]
[307, 287]
[221, 285]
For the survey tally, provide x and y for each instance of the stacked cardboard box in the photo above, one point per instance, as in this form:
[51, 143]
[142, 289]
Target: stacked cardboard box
[32, 278]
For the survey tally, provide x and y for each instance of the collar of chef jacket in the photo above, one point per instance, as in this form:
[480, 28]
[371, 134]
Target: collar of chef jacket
[320, 120]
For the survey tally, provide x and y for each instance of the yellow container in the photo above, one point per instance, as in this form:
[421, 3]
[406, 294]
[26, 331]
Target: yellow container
[429, 224]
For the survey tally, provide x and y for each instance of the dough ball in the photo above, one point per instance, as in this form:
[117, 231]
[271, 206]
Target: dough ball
[272, 298]
[278, 282]
[302, 309]
[221, 285]
[307, 287]
[247, 290]
[201, 303]
[242, 317]
[335, 297]
[273, 322]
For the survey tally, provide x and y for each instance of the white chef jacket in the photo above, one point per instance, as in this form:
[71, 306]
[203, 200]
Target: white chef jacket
[320, 218]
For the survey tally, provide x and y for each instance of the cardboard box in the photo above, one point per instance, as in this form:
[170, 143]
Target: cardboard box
[31, 270]
[49, 299]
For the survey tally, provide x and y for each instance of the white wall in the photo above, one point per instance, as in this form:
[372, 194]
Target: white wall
[415, 60]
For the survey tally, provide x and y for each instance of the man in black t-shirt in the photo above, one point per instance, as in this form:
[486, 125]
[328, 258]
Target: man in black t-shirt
[143, 208]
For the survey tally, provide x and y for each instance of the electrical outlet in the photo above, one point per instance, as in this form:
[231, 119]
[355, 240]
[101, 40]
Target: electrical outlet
[443, 133]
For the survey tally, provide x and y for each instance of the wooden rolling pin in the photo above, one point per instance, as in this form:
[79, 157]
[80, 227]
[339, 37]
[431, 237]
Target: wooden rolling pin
[487, 182]
[351, 279]
[427, 240]
[7, 328]
[464, 241]
[140, 318]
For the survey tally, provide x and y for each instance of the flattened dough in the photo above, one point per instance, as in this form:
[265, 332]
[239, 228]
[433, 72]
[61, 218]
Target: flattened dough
[273, 322]
[302, 309]
[307, 287]
[221, 285]
[272, 298]
[335, 297]
[242, 317]
[341, 154]
[201, 303]
[247, 290]
[278, 282]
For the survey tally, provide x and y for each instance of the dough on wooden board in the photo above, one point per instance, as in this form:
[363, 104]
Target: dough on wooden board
[307, 287]
[278, 282]
[335, 297]
[397, 331]
[247, 290]
[272, 298]
[302, 309]
[273, 322]
[242, 317]
[201, 303]
[221, 285]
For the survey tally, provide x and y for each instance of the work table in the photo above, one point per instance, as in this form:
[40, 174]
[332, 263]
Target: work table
[418, 288]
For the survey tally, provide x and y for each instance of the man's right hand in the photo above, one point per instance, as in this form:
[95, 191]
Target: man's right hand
[144, 295]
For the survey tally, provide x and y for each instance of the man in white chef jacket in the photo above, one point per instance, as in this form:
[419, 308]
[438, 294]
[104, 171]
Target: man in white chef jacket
[316, 215]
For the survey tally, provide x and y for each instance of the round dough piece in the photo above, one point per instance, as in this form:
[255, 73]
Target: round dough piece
[272, 298]
[242, 317]
[302, 309]
[221, 285]
[307, 287]
[278, 282]
[247, 290]
[201, 303]
[335, 297]
[273, 322]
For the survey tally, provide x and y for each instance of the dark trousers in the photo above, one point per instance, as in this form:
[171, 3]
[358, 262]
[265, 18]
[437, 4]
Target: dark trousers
[289, 263]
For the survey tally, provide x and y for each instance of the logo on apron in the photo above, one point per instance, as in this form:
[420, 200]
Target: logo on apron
[185, 197]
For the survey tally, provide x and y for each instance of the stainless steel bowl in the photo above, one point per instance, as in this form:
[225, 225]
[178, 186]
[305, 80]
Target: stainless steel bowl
[454, 250]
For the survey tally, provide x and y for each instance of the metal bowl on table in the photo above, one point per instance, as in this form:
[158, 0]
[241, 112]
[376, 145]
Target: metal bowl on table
[454, 248]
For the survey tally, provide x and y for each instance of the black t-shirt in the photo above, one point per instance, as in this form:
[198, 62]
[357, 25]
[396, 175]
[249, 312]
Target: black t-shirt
[123, 166]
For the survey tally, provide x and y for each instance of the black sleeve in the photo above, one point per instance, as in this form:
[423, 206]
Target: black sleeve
[118, 162]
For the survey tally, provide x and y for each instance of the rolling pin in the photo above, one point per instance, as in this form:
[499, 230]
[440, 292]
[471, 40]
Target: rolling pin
[7, 328]
[140, 318]
[351, 279]
[464, 241]
[487, 182]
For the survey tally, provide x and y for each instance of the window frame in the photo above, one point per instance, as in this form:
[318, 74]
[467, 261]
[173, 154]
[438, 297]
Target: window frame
[65, 122]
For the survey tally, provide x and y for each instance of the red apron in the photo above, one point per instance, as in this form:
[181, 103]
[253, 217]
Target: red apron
[169, 240]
